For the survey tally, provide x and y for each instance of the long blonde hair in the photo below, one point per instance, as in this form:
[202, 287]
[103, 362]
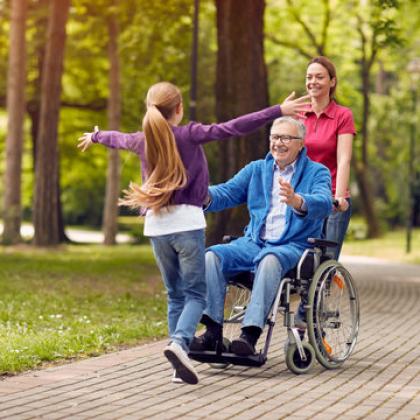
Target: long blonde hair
[166, 171]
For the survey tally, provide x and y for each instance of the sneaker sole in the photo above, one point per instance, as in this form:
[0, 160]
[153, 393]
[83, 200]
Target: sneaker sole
[186, 374]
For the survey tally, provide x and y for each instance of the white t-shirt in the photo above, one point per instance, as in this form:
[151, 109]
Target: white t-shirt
[174, 219]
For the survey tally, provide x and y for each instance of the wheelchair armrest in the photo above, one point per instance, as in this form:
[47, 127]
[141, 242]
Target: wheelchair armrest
[322, 243]
[229, 238]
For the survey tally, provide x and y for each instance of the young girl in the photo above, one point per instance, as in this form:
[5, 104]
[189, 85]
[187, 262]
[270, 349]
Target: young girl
[175, 181]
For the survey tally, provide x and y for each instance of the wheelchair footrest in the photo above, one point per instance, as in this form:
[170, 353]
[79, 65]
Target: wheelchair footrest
[227, 358]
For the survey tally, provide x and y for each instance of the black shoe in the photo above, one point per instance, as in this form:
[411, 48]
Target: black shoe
[204, 342]
[245, 344]
[242, 347]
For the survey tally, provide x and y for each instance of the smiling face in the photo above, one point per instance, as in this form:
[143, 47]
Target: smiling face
[285, 152]
[318, 81]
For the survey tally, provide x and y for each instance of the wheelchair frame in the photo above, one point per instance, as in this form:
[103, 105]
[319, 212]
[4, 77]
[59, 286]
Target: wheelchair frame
[313, 277]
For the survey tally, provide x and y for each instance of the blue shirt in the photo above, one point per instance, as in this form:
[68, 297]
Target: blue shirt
[276, 217]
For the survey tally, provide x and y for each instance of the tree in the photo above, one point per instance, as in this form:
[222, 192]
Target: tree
[47, 198]
[317, 42]
[376, 33]
[241, 87]
[16, 112]
[114, 114]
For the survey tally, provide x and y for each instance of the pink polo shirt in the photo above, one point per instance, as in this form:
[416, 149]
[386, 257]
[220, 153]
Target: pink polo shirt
[322, 135]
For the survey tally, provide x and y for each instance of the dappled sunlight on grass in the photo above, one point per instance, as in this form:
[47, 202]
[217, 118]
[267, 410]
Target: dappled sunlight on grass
[392, 246]
[76, 301]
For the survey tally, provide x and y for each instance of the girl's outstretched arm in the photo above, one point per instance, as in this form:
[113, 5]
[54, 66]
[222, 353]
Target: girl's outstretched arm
[246, 124]
[114, 140]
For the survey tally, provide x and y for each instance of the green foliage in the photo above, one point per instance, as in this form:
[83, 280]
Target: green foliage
[155, 44]
[76, 302]
[396, 27]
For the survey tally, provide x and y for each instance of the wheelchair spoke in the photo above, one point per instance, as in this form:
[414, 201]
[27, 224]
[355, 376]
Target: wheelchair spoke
[237, 298]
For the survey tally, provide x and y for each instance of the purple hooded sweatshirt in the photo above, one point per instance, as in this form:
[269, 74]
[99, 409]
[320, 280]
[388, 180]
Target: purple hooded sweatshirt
[189, 139]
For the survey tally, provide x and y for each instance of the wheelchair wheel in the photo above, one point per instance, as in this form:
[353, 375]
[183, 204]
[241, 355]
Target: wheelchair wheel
[333, 314]
[237, 298]
[295, 363]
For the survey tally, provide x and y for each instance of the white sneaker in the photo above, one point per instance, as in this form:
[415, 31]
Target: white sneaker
[176, 379]
[181, 363]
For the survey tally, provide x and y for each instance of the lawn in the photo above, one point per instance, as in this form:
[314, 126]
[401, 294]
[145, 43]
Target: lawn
[75, 302]
[392, 246]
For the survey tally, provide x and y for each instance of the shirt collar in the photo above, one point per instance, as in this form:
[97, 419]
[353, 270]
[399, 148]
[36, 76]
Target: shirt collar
[329, 111]
[290, 168]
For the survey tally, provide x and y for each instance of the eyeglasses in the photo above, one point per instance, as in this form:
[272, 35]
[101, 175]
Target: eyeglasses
[283, 138]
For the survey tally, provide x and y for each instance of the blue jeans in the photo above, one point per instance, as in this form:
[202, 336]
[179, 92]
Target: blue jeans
[335, 229]
[266, 283]
[180, 257]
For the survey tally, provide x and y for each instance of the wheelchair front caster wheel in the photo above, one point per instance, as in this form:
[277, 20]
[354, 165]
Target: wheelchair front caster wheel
[226, 349]
[294, 361]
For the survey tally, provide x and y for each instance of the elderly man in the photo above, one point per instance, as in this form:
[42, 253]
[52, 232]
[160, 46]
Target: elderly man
[288, 197]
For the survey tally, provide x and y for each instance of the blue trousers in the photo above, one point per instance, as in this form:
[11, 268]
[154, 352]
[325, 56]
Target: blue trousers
[180, 257]
[266, 283]
[335, 229]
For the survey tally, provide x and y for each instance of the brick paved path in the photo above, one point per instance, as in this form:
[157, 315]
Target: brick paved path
[381, 379]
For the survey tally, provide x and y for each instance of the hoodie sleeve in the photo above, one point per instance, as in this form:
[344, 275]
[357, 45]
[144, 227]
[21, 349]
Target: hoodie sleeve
[246, 124]
[117, 140]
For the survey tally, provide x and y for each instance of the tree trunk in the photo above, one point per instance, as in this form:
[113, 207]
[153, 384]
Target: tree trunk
[15, 112]
[110, 218]
[362, 166]
[34, 105]
[241, 87]
[46, 207]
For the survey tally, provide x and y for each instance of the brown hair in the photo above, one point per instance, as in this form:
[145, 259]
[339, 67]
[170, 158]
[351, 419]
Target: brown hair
[329, 66]
[166, 171]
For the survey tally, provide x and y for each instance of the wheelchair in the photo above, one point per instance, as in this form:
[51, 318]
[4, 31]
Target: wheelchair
[332, 314]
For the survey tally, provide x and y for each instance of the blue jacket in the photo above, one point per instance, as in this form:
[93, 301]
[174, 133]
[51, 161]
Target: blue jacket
[253, 185]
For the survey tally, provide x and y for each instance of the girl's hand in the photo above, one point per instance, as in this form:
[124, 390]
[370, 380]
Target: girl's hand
[295, 107]
[343, 204]
[86, 140]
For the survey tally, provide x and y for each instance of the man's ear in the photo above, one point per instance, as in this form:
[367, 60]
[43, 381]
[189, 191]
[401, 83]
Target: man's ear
[179, 108]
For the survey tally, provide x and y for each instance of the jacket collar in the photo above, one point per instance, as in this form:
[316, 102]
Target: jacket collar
[300, 165]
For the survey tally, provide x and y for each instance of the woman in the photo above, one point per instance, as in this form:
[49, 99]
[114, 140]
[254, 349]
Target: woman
[329, 138]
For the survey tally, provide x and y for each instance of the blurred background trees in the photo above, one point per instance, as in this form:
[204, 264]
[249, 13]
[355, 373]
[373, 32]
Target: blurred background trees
[250, 53]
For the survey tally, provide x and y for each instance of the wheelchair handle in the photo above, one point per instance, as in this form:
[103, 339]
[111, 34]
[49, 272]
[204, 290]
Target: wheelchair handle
[335, 203]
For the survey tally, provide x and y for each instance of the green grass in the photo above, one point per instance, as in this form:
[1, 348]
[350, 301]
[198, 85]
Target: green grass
[76, 301]
[392, 246]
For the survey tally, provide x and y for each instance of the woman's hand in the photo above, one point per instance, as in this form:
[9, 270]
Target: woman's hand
[295, 107]
[343, 204]
[86, 140]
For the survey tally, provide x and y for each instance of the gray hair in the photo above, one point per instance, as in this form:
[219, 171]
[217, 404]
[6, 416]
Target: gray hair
[290, 120]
